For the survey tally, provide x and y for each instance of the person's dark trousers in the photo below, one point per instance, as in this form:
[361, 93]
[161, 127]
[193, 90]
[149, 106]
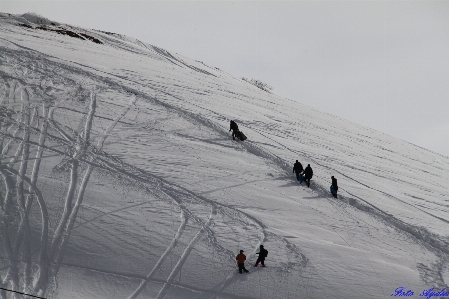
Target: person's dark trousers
[260, 260]
[242, 267]
[297, 176]
[307, 182]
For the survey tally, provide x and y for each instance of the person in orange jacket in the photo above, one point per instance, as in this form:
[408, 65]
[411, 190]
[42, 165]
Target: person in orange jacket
[241, 258]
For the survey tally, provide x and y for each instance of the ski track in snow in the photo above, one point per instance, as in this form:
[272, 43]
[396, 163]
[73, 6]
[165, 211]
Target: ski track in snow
[219, 289]
[345, 208]
[254, 149]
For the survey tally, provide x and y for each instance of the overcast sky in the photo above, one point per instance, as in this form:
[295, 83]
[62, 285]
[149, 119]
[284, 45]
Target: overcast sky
[382, 64]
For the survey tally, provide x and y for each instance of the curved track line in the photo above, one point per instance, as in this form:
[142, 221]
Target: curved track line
[352, 179]
[185, 254]
[169, 249]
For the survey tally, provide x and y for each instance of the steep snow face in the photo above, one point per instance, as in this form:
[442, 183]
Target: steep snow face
[119, 179]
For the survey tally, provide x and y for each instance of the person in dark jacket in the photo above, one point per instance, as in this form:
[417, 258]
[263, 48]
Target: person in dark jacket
[262, 255]
[334, 187]
[241, 258]
[297, 168]
[233, 126]
[235, 129]
[308, 173]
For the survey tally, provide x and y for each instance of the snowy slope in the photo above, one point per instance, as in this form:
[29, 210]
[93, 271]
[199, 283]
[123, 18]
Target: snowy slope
[120, 180]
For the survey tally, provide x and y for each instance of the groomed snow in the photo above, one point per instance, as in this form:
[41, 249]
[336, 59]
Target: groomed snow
[169, 198]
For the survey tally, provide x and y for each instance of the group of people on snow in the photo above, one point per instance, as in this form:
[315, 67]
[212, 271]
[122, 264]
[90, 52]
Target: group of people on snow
[302, 175]
[241, 258]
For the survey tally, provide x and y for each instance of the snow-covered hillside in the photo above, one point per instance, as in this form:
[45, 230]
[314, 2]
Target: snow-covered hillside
[119, 179]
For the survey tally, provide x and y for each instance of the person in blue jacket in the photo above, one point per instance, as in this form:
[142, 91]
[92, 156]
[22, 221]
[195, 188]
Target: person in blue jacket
[334, 187]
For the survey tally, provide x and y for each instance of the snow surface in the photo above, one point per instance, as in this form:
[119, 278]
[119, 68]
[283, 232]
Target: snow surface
[119, 179]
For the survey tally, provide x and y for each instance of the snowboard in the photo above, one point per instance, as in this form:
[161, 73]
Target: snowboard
[242, 136]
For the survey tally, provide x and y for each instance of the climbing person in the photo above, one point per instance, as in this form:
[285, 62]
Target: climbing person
[334, 187]
[236, 132]
[233, 126]
[241, 258]
[235, 129]
[263, 253]
[308, 173]
[297, 168]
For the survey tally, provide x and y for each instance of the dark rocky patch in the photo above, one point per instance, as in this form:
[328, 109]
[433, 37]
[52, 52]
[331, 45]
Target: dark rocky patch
[70, 33]
[108, 33]
[91, 38]
[26, 25]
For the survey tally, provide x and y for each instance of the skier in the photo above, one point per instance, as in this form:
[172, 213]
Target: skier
[334, 187]
[308, 173]
[262, 255]
[241, 258]
[297, 167]
[235, 129]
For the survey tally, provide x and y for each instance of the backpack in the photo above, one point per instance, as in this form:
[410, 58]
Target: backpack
[265, 252]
